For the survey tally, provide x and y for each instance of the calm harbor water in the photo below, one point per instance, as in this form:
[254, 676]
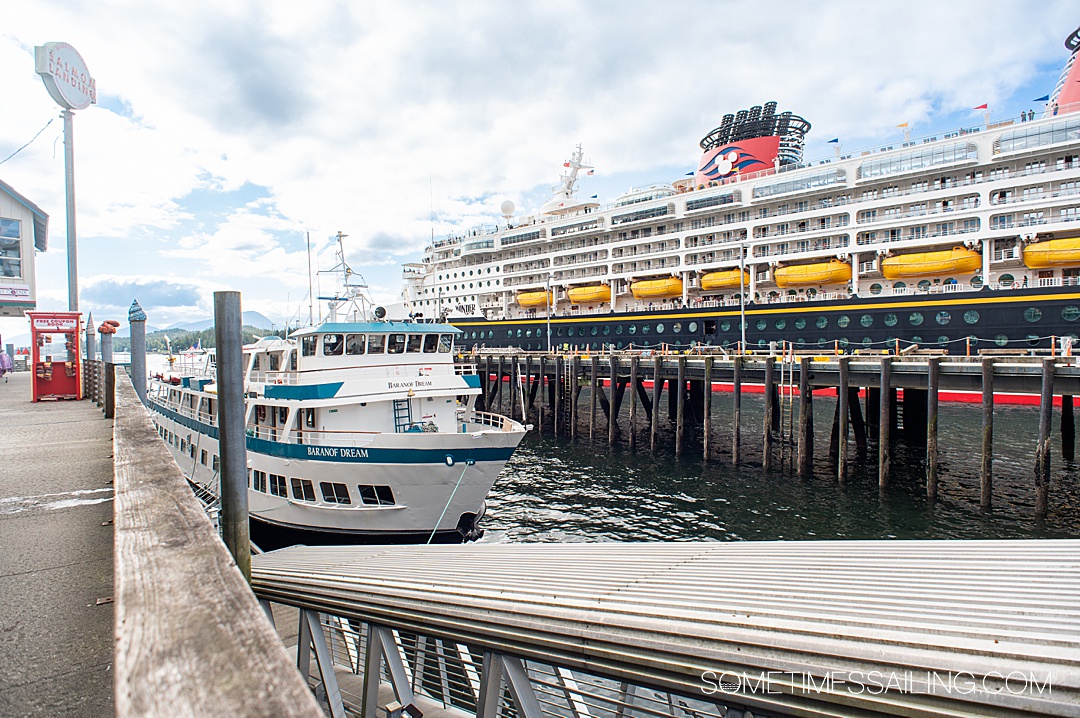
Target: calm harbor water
[557, 490]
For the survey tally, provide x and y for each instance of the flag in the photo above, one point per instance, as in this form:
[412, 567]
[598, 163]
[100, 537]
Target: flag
[690, 174]
[1044, 98]
[593, 197]
[567, 163]
[591, 172]
[981, 107]
[835, 139]
[903, 124]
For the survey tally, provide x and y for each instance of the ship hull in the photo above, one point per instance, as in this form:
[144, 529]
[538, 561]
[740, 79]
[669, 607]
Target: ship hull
[1024, 318]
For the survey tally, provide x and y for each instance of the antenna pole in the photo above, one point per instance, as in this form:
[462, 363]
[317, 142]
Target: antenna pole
[310, 288]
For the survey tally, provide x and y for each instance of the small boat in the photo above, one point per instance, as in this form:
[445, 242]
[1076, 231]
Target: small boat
[1052, 253]
[359, 430]
[534, 299]
[724, 279]
[591, 293]
[657, 288]
[958, 260]
[798, 275]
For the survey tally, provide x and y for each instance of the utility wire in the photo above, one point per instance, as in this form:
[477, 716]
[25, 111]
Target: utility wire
[28, 143]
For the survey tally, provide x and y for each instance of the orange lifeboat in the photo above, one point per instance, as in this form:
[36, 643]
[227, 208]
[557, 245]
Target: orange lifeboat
[798, 275]
[657, 288]
[534, 299]
[1052, 253]
[958, 260]
[724, 279]
[590, 293]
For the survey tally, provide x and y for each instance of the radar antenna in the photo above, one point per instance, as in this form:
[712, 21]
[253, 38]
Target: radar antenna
[353, 292]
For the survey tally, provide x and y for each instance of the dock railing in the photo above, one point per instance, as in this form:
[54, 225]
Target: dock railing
[191, 640]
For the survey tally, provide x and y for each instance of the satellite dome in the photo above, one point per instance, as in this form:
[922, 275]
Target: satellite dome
[507, 208]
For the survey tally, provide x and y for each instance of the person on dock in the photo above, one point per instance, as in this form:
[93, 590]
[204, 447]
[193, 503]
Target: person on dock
[6, 365]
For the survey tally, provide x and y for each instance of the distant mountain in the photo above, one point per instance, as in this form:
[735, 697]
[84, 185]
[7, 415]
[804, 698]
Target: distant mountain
[23, 340]
[250, 319]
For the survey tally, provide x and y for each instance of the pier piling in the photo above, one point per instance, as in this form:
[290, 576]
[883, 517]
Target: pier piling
[843, 398]
[707, 411]
[658, 384]
[932, 377]
[616, 391]
[767, 428]
[634, 387]
[232, 448]
[885, 424]
[736, 391]
[1068, 428]
[806, 421]
[593, 372]
[680, 416]
[1042, 453]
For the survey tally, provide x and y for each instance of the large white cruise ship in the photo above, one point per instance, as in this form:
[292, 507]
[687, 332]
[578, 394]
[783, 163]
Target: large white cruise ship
[966, 239]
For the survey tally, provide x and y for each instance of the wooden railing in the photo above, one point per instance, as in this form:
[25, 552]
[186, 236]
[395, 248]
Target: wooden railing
[191, 639]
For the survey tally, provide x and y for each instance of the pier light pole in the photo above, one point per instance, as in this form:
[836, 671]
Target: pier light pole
[547, 305]
[69, 84]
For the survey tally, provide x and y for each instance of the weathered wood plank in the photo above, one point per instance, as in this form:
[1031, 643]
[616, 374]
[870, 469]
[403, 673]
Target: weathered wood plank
[191, 639]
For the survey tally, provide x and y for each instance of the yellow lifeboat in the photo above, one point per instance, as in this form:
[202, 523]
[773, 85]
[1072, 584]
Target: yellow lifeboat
[1052, 253]
[958, 260]
[657, 288]
[724, 279]
[591, 293]
[534, 299]
[831, 272]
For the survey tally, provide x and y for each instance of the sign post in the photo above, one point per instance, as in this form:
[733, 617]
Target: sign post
[69, 84]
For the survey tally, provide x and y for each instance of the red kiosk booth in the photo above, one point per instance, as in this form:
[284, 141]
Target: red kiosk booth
[56, 356]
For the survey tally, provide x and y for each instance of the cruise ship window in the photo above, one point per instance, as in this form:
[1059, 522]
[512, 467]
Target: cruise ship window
[395, 344]
[333, 345]
[355, 343]
[376, 343]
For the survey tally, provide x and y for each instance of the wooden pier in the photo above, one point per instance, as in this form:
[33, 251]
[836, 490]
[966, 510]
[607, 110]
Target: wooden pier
[877, 396]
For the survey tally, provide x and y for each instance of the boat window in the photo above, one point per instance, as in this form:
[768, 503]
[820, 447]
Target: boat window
[446, 343]
[943, 340]
[915, 319]
[355, 344]
[594, 330]
[619, 329]
[781, 323]
[309, 418]
[800, 323]
[645, 328]
[924, 284]
[431, 343]
[821, 322]
[842, 321]
[1032, 314]
[761, 325]
[692, 327]
[800, 342]
[659, 328]
[1001, 340]
[395, 344]
[875, 288]
[971, 316]
[259, 481]
[820, 342]
[843, 342]
[633, 329]
[416, 342]
[890, 320]
[307, 345]
[303, 490]
[376, 495]
[943, 317]
[275, 362]
[607, 329]
[866, 320]
[376, 343]
[332, 345]
[1070, 313]
[725, 325]
[339, 493]
[216, 463]
[277, 485]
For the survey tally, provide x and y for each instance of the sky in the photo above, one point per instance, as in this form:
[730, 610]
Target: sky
[228, 131]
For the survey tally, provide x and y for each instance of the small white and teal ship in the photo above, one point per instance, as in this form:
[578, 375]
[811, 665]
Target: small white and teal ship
[358, 431]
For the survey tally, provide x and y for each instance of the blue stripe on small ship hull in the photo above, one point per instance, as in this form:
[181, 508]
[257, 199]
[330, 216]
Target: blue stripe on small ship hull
[348, 454]
[303, 391]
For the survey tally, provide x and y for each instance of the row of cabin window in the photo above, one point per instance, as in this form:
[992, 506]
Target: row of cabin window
[333, 493]
[185, 446]
[355, 344]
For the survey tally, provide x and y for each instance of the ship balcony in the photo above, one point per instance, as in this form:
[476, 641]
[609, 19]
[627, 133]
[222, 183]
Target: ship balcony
[566, 275]
[1006, 255]
[1057, 282]
[803, 246]
[892, 217]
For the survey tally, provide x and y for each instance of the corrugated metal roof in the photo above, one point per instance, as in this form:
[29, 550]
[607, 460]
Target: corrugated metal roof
[664, 613]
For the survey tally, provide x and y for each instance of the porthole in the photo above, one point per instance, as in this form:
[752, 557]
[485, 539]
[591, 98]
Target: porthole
[558, 331]
[1070, 313]
[800, 342]
[726, 343]
[943, 318]
[691, 327]
[1032, 340]
[570, 331]
[842, 321]
[867, 341]
[593, 346]
[619, 329]
[528, 333]
[509, 333]
[781, 323]
[607, 330]
[800, 323]
[595, 330]
[645, 328]
[899, 285]
[633, 329]
[971, 316]
[821, 343]
[916, 339]
[972, 339]
[890, 320]
[762, 324]
[976, 282]
[915, 319]
[1001, 340]
[924, 284]
[821, 322]
[619, 344]
[866, 320]
[676, 327]
[1006, 280]
[491, 334]
[659, 328]
[519, 333]
[942, 340]
[725, 326]
[1032, 314]
[875, 288]
[761, 343]
[843, 342]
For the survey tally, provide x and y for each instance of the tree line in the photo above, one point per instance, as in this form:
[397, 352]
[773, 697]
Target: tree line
[181, 339]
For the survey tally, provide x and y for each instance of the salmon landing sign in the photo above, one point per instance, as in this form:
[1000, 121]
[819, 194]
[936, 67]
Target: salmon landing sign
[65, 75]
